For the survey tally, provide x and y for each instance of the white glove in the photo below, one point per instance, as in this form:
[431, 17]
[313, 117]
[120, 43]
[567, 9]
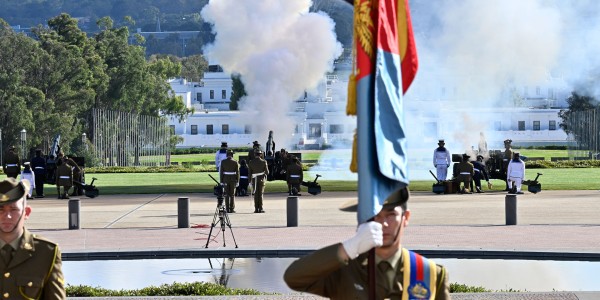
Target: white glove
[237, 184]
[368, 235]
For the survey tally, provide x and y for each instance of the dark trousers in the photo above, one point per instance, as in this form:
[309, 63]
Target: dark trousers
[39, 184]
[230, 196]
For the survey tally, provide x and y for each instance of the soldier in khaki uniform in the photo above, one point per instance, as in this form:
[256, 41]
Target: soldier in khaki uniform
[229, 174]
[77, 173]
[507, 157]
[294, 177]
[340, 271]
[251, 153]
[30, 265]
[258, 170]
[465, 170]
[64, 178]
[12, 163]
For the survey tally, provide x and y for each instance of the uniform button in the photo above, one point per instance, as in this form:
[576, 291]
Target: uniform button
[6, 295]
[7, 274]
[30, 284]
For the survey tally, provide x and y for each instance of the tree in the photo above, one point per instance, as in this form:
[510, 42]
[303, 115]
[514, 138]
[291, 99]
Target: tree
[238, 91]
[581, 121]
[576, 103]
[193, 67]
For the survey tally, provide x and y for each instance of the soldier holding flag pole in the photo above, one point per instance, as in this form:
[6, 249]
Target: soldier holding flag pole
[385, 64]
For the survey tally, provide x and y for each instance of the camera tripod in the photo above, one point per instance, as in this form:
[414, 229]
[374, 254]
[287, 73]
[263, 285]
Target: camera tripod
[223, 219]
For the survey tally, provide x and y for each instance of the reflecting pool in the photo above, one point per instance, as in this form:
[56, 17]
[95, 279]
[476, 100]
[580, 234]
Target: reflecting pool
[265, 274]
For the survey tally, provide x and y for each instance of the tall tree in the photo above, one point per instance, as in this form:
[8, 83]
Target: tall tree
[238, 91]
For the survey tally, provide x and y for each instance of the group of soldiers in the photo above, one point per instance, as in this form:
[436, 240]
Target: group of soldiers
[236, 177]
[65, 172]
[466, 171]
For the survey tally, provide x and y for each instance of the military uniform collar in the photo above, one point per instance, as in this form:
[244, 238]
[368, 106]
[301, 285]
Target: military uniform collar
[16, 243]
[27, 240]
[393, 260]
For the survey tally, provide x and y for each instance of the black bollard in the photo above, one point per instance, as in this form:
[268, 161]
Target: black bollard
[292, 211]
[183, 212]
[74, 219]
[510, 206]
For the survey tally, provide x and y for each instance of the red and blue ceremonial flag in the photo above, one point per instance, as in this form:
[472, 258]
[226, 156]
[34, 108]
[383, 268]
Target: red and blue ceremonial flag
[384, 67]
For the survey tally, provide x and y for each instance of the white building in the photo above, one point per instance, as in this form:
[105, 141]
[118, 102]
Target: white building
[321, 119]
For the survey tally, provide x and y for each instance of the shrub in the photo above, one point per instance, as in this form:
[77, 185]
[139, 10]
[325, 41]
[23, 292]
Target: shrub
[174, 289]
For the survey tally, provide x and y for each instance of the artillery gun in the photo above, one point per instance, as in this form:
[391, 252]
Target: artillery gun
[79, 186]
[277, 165]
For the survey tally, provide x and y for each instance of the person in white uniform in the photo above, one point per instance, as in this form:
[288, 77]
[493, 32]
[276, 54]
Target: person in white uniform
[516, 173]
[441, 160]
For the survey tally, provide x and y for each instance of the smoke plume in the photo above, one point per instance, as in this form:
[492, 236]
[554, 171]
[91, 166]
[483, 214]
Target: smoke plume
[279, 48]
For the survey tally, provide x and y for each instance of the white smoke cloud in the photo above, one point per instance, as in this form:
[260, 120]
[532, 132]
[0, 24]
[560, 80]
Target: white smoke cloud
[279, 48]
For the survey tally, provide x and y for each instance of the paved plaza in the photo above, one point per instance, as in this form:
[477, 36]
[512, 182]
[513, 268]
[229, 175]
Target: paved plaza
[557, 225]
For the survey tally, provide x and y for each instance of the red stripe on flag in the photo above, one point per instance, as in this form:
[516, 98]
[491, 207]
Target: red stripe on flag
[387, 39]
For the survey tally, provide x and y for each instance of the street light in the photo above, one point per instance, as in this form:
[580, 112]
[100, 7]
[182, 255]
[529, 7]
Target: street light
[23, 143]
[84, 140]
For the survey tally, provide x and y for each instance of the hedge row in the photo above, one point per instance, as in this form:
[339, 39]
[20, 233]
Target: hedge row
[206, 289]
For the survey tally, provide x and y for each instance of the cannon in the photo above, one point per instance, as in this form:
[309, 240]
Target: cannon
[79, 185]
[533, 186]
[439, 187]
[90, 190]
[314, 188]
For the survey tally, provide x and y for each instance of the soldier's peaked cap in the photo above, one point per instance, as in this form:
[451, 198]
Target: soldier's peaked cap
[508, 141]
[255, 143]
[396, 198]
[12, 190]
[223, 144]
[441, 141]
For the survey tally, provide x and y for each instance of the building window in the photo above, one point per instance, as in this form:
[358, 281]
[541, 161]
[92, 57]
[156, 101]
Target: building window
[247, 129]
[194, 129]
[212, 94]
[551, 93]
[209, 129]
[538, 91]
[521, 125]
[336, 128]
[552, 125]
[297, 129]
[199, 97]
[223, 94]
[536, 125]
[172, 129]
[225, 128]
[314, 131]
[497, 125]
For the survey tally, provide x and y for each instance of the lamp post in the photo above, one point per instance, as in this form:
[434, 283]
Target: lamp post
[23, 143]
[84, 140]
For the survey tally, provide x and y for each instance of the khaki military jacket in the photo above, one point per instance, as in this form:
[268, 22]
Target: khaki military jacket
[324, 274]
[64, 175]
[294, 173]
[258, 166]
[465, 167]
[508, 155]
[230, 171]
[35, 271]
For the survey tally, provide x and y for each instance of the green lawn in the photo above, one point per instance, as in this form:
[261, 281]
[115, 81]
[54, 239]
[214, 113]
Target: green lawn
[314, 155]
[200, 182]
